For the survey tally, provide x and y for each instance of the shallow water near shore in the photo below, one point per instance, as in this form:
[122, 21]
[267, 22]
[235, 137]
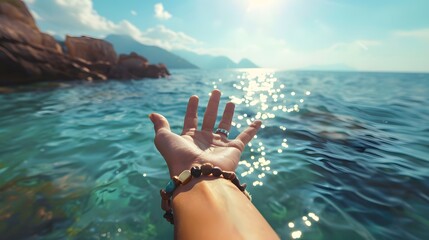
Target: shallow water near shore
[340, 155]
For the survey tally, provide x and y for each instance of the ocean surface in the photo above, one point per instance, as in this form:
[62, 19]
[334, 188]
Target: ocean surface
[340, 155]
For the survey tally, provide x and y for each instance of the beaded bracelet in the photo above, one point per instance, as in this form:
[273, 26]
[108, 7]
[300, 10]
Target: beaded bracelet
[206, 169]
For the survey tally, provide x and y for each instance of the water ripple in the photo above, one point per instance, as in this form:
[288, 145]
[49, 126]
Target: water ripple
[339, 155]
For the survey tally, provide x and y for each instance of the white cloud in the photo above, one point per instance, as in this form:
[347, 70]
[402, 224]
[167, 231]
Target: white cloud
[370, 55]
[278, 53]
[422, 34]
[367, 44]
[134, 13]
[35, 15]
[78, 17]
[169, 39]
[160, 13]
[323, 27]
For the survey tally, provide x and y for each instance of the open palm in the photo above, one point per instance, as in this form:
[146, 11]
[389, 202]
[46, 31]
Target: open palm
[195, 147]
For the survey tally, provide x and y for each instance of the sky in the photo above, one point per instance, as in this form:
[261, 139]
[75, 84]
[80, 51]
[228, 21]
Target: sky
[365, 35]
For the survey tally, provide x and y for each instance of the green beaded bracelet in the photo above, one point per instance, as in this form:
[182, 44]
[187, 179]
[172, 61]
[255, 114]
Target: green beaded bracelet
[206, 169]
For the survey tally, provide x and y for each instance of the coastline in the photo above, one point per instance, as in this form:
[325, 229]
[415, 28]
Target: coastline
[29, 56]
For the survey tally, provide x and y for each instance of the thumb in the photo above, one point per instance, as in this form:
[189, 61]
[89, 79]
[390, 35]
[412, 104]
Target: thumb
[159, 122]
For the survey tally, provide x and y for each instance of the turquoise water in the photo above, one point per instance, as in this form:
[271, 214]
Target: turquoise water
[341, 155]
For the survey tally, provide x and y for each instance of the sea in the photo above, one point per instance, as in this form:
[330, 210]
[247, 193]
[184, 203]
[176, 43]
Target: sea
[340, 155]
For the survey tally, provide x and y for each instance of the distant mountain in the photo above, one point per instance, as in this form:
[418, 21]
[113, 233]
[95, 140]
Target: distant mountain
[246, 63]
[126, 44]
[221, 62]
[213, 62]
[201, 60]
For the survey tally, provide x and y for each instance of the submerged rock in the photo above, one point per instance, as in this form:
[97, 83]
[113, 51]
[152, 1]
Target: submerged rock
[33, 206]
[28, 55]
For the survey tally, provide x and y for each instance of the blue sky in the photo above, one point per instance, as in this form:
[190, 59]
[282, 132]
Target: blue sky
[382, 35]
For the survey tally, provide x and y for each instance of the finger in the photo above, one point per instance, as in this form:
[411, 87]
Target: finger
[247, 135]
[191, 117]
[159, 122]
[211, 111]
[228, 113]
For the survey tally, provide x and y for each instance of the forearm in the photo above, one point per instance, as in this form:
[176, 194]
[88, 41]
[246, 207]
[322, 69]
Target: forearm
[213, 208]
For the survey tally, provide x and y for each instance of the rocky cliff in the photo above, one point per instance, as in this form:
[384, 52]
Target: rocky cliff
[28, 55]
[90, 49]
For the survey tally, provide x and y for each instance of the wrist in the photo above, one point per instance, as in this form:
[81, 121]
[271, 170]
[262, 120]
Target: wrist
[204, 184]
[206, 173]
[178, 167]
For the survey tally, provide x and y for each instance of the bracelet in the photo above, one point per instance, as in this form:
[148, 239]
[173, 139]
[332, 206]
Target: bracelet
[206, 169]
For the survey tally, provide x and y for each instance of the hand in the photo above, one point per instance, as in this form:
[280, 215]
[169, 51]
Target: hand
[195, 147]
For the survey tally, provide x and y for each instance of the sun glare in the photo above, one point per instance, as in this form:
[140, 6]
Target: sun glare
[260, 5]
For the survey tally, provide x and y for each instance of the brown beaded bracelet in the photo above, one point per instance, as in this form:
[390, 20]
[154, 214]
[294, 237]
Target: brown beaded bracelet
[206, 169]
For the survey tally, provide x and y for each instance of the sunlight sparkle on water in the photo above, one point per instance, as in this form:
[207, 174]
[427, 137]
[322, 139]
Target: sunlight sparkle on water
[267, 98]
[296, 234]
[303, 224]
[264, 97]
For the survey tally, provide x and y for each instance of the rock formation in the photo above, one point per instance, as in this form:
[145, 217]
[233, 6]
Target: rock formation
[29, 56]
[90, 49]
